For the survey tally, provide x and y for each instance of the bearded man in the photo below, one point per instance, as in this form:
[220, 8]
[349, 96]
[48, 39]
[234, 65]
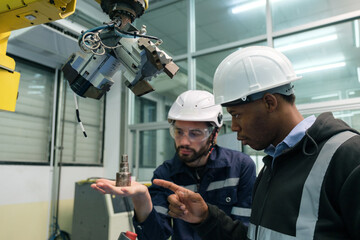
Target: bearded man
[223, 177]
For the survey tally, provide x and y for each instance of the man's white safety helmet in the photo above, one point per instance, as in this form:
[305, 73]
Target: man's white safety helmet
[197, 106]
[247, 74]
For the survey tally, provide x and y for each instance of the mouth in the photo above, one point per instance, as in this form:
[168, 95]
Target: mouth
[242, 139]
[185, 151]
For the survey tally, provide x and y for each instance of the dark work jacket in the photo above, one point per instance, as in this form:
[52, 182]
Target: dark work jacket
[284, 201]
[227, 182]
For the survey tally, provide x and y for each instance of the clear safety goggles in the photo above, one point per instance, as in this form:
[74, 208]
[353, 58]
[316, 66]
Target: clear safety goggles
[193, 134]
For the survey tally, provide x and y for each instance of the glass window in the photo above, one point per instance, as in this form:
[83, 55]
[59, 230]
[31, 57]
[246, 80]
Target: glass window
[78, 149]
[169, 23]
[328, 60]
[146, 110]
[154, 106]
[205, 69]
[206, 66]
[288, 14]
[351, 117]
[155, 146]
[25, 134]
[171, 88]
[148, 149]
[221, 22]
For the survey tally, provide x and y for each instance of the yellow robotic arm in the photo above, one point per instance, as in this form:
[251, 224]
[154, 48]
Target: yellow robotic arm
[16, 14]
[9, 79]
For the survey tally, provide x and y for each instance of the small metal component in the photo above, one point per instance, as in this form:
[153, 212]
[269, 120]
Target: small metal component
[123, 177]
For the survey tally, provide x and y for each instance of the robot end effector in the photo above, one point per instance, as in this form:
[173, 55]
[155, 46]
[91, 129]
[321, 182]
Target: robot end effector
[117, 46]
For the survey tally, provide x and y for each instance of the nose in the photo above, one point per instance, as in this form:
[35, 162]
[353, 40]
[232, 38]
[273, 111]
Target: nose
[235, 127]
[184, 140]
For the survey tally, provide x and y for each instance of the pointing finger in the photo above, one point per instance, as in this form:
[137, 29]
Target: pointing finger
[169, 185]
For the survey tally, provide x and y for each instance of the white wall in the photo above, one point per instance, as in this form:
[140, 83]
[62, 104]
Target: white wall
[25, 199]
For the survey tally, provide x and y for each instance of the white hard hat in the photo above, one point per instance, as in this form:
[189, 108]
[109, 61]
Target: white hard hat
[197, 106]
[250, 71]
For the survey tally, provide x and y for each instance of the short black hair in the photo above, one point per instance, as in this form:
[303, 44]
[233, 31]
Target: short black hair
[289, 98]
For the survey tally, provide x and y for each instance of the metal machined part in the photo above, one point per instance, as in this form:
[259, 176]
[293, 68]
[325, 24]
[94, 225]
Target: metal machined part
[123, 177]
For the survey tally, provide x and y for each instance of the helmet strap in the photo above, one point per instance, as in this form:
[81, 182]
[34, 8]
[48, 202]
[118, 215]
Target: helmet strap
[212, 140]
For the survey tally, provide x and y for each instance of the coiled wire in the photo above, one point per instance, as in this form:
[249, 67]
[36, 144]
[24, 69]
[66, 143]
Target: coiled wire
[91, 42]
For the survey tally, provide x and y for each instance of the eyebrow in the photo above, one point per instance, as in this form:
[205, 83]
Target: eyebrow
[231, 112]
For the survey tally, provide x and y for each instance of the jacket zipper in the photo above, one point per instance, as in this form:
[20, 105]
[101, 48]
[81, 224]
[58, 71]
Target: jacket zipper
[197, 181]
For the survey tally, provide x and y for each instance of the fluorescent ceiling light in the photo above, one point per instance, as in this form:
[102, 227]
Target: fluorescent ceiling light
[320, 68]
[326, 96]
[248, 6]
[356, 33]
[308, 43]
[36, 87]
[34, 92]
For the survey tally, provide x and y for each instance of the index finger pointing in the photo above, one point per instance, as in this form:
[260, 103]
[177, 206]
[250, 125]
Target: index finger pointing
[169, 185]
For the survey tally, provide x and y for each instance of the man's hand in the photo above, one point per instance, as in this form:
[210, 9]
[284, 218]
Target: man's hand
[138, 192]
[185, 204]
[108, 187]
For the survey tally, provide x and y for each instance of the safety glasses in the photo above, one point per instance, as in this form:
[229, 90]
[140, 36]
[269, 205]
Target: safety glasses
[193, 134]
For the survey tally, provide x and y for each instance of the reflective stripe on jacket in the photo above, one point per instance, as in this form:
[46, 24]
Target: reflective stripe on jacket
[310, 198]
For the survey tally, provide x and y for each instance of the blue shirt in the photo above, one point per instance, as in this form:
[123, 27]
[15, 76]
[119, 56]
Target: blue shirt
[292, 138]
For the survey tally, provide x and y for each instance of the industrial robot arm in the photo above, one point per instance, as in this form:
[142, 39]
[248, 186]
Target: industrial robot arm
[106, 49]
[117, 46]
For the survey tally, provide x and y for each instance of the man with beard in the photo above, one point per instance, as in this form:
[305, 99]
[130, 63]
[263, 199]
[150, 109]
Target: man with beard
[223, 177]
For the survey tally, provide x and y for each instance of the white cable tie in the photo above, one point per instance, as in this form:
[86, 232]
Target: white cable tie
[76, 104]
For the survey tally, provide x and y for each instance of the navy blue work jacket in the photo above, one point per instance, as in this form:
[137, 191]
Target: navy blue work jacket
[226, 182]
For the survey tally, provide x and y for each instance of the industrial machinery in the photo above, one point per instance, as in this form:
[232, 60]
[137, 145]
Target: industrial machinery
[15, 14]
[117, 46]
[105, 50]
[98, 216]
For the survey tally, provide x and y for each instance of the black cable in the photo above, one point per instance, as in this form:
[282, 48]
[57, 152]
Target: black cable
[134, 34]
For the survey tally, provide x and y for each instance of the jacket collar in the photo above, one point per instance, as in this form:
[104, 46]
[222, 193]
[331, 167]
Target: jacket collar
[323, 128]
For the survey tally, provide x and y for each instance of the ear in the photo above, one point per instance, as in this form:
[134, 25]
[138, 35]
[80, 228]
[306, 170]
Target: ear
[270, 101]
